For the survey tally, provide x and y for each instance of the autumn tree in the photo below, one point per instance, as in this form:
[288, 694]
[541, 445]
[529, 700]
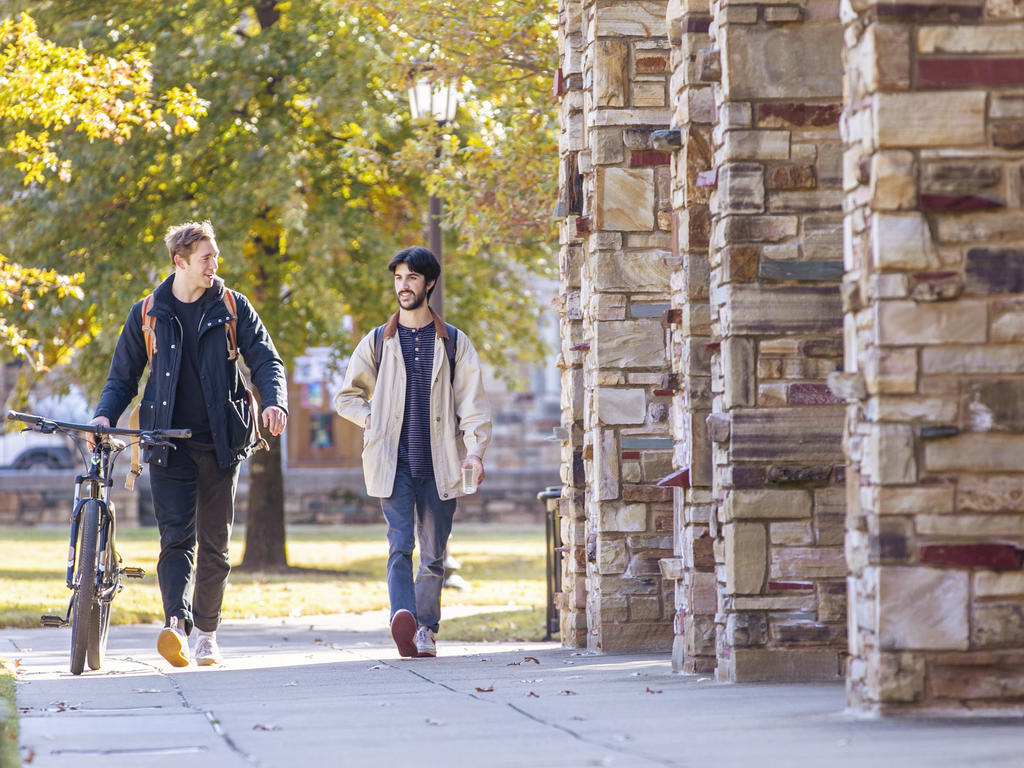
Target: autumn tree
[312, 172]
[46, 89]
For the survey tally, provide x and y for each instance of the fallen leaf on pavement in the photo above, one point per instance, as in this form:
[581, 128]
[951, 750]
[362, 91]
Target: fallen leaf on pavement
[485, 690]
[533, 695]
[567, 693]
[261, 727]
[652, 691]
[432, 721]
[291, 684]
[146, 690]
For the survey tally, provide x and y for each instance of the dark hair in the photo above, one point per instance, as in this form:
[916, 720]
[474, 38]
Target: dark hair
[419, 260]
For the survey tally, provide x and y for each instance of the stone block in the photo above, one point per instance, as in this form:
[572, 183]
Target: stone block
[606, 147]
[990, 493]
[955, 177]
[766, 504]
[629, 344]
[903, 323]
[890, 371]
[999, 625]
[992, 584]
[760, 145]
[922, 608]
[896, 677]
[606, 464]
[893, 181]
[791, 533]
[911, 500]
[746, 548]
[753, 309]
[749, 665]
[975, 452]
[990, 359]
[971, 39]
[907, 119]
[624, 199]
[788, 435]
[802, 271]
[744, 630]
[619, 406]
[739, 264]
[634, 637]
[892, 457]
[995, 406]
[902, 241]
[635, 272]
[807, 563]
[741, 188]
[759, 229]
[961, 682]
[610, 73]
[792, 177]
[990, 271]
[798, 115]
[738, 371]
[648, 94]
[885, 58]
[793, 62]
[640, 18]
[611, 556]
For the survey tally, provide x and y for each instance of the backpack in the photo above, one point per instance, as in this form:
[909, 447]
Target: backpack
[449, 348]
[149, 336]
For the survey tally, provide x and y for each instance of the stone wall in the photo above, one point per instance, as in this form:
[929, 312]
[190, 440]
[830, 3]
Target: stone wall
[934, 130]
[614, 196]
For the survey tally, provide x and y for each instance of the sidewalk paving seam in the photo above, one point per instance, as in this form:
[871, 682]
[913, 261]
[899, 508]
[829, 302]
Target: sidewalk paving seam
[211, 718]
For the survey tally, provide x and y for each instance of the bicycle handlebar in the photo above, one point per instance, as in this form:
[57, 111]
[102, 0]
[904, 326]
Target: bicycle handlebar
[48, 426]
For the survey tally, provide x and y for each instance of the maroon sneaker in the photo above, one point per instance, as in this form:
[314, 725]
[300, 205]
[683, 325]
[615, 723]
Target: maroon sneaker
[403, 630]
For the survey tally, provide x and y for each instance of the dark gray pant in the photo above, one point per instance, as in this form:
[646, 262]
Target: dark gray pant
[194, 503]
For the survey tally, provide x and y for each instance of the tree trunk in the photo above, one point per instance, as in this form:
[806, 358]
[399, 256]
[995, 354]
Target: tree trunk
[264, 529]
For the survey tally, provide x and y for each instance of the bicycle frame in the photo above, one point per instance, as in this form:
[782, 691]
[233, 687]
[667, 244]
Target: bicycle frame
[94, 572]
[98, 477]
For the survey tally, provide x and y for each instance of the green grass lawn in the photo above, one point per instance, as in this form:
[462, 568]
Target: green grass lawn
[335, 569]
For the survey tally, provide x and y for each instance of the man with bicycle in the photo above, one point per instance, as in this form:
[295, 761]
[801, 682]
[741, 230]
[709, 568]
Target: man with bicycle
[185, 331]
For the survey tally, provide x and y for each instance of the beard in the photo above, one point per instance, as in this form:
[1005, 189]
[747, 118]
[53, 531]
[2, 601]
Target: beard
[415, 302]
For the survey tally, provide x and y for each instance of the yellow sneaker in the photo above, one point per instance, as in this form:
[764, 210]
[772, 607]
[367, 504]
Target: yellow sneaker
[172, 644]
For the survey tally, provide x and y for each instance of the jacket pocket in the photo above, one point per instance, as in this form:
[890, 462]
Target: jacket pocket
[241, 427]
[147, 415]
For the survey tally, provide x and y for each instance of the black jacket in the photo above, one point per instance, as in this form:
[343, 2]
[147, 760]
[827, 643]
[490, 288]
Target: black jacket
[231, 416]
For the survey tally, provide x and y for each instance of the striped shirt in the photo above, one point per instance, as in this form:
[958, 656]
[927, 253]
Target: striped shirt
[414, 443]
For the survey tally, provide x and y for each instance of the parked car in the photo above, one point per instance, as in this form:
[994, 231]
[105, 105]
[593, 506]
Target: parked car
[44, 457]
[30, 450]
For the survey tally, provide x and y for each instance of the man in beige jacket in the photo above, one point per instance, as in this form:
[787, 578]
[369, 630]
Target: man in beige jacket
[425, 423]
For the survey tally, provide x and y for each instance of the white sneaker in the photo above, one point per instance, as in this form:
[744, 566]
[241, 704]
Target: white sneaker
[172, 644]
[425, 645]
[207, 650]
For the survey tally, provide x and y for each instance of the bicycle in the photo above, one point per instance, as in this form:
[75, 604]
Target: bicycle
[94, 567]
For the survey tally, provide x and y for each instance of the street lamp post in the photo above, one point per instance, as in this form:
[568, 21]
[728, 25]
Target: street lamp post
[434, 99]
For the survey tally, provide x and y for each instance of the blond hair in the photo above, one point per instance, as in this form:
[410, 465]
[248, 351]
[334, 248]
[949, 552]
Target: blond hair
[181, 239]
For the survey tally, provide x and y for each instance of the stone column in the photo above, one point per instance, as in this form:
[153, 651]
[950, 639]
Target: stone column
[627, 446]
[572, 600]
[693, 566]
[934, 303]
[776, 318]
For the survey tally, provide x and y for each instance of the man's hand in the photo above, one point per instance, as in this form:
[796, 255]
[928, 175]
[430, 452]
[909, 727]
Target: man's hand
[476, 463]
[99, 421]
[274, 419]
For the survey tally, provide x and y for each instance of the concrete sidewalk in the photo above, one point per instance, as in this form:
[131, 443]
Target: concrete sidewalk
[332, 691]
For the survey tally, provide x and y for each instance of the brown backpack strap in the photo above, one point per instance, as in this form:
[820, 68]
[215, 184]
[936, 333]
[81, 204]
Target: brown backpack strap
[231, 328]
[136, 467]
[148, 327]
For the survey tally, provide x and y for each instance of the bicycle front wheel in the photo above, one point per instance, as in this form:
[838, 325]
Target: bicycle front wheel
[102, 609]
[84, 614]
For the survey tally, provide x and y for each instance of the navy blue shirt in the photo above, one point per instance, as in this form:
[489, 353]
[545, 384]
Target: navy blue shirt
[414, 442]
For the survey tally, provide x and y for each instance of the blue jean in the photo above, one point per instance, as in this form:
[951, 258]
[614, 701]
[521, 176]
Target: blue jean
[414, 507]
